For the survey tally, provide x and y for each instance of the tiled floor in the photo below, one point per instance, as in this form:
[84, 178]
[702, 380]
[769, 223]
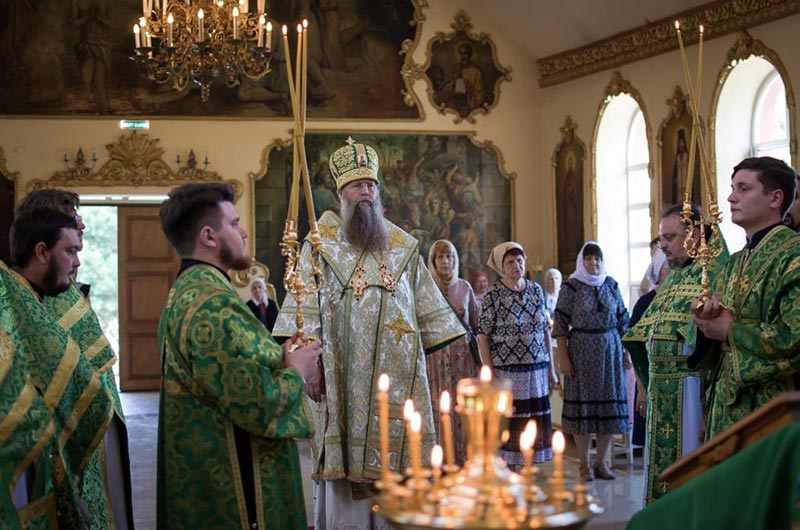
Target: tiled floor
[621, 497]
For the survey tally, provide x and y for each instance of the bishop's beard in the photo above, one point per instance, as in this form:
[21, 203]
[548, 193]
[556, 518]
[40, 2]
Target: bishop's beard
[363, 225]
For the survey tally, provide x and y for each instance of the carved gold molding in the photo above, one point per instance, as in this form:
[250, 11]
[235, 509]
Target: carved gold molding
[252, 177]
[567, 136]
[407, 48]
[618, 85]
[413, 71]
[744, 48]
[134, 160]
[720, 17]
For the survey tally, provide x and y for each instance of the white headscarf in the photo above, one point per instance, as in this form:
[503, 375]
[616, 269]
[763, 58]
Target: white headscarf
[441, 282]
[582, 275]
[499, 252]
[654, 270]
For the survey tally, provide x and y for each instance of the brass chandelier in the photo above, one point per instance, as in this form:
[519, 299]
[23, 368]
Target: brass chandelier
[201, 40]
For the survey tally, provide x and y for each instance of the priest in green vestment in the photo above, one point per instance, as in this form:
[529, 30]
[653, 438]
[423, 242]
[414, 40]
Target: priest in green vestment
[54, 409]
[379, 311]
[231, 400]
[659, 347]
[106, 482]
[754, 316]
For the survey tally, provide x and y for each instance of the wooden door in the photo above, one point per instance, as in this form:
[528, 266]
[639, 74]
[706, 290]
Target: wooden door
[147, 268]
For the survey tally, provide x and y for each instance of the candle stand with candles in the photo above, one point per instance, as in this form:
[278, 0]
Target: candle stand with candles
[485, 493]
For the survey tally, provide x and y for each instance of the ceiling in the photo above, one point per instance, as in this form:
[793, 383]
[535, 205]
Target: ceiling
[547, 27]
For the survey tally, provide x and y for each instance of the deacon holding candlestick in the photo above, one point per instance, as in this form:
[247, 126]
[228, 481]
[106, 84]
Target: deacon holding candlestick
[383, 318]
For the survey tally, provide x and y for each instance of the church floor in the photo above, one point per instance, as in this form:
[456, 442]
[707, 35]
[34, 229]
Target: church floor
[621, 497]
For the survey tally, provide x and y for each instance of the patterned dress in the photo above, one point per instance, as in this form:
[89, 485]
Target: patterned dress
[516, 323]
[594, 319]
[454, 362]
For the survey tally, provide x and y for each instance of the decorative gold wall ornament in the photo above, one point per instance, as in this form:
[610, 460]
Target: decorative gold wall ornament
[407, 48]
[722, 17]
[462, 71]
[568, 162]
[744, 48]
[618, 85]
[134, 160]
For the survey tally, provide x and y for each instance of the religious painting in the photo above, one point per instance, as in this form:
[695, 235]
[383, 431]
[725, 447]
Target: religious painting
[674, 137]
[568, 163]
[463, 71]
[73, 57]
[433, 186]
[7, 204]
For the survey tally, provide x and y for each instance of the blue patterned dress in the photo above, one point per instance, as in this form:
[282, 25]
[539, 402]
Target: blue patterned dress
[593, 319]
[515, 323]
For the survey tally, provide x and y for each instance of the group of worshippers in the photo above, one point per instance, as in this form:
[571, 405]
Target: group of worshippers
[233, 400]
[63, 442]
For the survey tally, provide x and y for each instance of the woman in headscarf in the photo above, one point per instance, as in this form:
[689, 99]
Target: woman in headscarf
[457, 360]
[590, 320]
[514, 339]
[480, 284]
[552, 286]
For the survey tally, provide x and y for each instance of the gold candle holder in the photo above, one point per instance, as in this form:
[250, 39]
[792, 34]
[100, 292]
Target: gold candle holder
[485, 493]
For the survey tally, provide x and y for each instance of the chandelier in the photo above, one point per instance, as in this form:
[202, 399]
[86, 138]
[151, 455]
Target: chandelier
[201, 40]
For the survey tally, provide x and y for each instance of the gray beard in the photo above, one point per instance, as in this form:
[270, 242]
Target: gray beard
[363, 225]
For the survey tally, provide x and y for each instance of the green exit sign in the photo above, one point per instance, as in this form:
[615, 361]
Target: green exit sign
[134, 125]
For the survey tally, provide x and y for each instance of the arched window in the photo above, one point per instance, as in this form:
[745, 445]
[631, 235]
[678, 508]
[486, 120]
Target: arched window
[623, 193]
[752, 119]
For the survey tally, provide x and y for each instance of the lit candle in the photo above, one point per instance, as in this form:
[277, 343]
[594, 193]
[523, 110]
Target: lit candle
[383, 402]
[235, 23]
[148, 39]
[436, 464]
[136, 36]
[558, 451]
[170, 23]
[525, 445]
[200, 15]
[298, 64]
[415, 445]
[486, 374]
[261, 31]
[447, 429]
[269, 34]
[304, 85]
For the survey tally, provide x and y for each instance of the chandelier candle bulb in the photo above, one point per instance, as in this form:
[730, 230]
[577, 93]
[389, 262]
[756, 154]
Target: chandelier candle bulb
[269, 34]
[200, 36]
[136, 36]
[261, 31]
[304, 85]
[170, 24]
[383, 410]
[447, 428]
[235, 13]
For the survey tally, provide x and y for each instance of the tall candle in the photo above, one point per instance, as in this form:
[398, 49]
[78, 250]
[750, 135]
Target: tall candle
[416, 446]
[304, 86]
[558, 452]
[436, 464]
[447, 429]
[383, 400]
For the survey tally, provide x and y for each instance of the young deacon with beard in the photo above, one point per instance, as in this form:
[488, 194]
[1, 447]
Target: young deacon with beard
[379, 311]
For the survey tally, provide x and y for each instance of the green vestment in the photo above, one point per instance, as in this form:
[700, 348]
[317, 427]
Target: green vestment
[659, 345]
[221, 370]
[75, 315]
[54, 412]
[761, 289]
[363, 337]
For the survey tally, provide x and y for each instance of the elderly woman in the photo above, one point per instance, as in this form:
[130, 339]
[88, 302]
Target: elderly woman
[262, 307]
[456, 360]
[552, 286]
[590, 320]
[514, 339]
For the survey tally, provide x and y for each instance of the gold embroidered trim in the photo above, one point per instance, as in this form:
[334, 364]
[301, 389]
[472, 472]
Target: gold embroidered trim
[63, 373]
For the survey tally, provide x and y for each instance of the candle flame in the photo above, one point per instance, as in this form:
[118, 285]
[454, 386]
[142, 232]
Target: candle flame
[383, 383]
[408, 410]
[299, 28]
[531, 428]
[559, 443]
[261, 20]
[502, 402]
[170, 19]
[525, 440]
[285, 30]
[701, 29]
[200, 14]
[305, 23]
[236, 11]
[486, 374]
[142, 22]
[436, 456]
[444, 403]
[416, 422]
[136, 28]
[677, 25]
